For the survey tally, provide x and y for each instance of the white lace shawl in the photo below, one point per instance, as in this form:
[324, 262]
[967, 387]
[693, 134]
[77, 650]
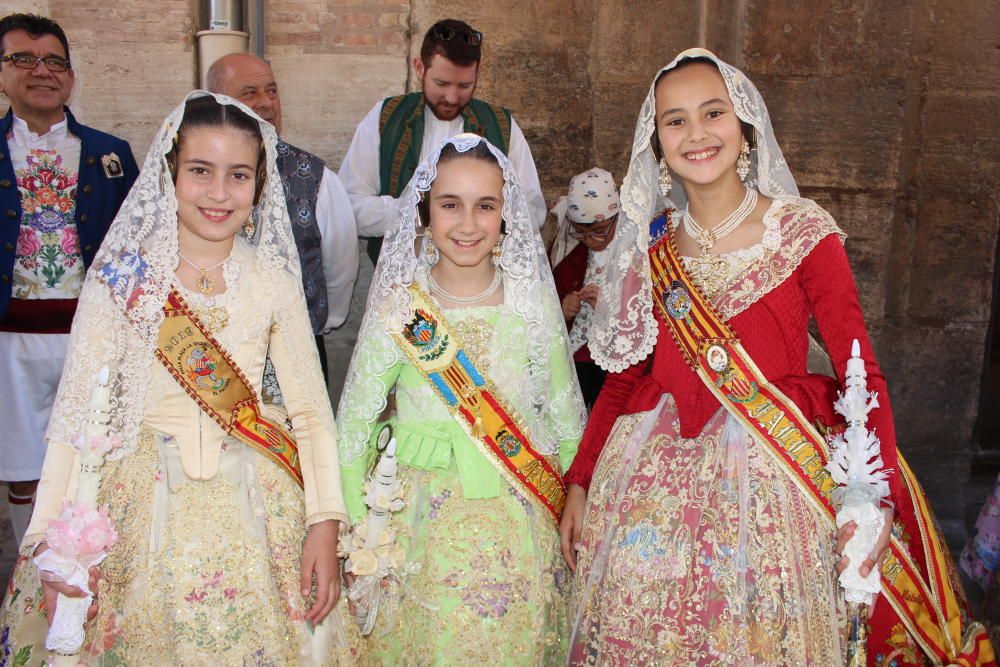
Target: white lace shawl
[529, 292]
[120, 308]
[624, 330]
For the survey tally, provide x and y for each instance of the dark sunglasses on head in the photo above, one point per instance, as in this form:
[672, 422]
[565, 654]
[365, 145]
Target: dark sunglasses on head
[446, 33]
[30, 61]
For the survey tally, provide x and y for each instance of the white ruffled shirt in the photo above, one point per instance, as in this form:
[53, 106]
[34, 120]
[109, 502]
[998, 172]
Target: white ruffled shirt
[338, 247]
[359, 171]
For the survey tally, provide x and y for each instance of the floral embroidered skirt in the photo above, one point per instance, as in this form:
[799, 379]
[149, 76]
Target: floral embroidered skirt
[486, 582]
[204, 573]
[701, 551]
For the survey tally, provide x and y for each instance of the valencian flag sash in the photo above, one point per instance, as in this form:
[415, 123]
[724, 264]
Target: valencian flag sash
[437, 352]
[213, 380]
[923, 599]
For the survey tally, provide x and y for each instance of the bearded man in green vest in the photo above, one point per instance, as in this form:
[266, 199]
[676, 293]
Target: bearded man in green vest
[400, 131]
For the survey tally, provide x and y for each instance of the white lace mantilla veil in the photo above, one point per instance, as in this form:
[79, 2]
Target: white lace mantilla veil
[529, 292]
[120, 308]
[624, 329]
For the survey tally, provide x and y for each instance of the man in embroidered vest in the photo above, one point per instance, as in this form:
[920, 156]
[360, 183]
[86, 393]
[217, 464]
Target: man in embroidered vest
[61, 184]
[399, 132]
[322, 220]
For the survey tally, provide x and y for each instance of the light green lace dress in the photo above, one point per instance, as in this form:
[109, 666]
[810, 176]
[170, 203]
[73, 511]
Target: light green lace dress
[486, 583]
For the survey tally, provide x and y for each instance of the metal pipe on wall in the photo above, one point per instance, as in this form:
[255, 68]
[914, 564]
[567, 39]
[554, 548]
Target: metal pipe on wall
[255, 24]
[222, 32]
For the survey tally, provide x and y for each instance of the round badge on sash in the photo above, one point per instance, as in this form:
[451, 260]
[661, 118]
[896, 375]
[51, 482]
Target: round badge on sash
[677, 300]
[717, 358]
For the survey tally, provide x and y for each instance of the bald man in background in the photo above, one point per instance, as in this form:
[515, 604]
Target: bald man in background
[321, 214]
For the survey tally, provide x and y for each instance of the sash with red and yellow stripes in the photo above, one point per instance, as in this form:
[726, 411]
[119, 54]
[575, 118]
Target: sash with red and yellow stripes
[924, 600]
[213, 380]
[435, 350]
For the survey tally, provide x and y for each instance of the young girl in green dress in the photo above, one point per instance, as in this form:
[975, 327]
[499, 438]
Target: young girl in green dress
[468, 334]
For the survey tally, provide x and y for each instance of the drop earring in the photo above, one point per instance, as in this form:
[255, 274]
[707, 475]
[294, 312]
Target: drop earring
[666, 182]
[430, 250]
[743, 162]
[249, 227]
[497, 251]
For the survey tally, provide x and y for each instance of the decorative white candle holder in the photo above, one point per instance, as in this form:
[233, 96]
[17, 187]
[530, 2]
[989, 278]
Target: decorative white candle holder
[66, 635]
[371, 549]
[856, 465]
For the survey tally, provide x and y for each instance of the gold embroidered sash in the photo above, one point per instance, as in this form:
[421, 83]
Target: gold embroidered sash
[434, 349]
[926, 605]
[213, 380]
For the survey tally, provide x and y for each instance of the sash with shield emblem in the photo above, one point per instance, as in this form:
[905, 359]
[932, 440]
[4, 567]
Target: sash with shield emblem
[213, 380]
[435, 350]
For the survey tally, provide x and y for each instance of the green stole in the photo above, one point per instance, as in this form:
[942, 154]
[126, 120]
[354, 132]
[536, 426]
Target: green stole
[401, 135]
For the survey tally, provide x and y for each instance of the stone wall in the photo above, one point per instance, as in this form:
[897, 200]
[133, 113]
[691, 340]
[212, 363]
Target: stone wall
[884, 108]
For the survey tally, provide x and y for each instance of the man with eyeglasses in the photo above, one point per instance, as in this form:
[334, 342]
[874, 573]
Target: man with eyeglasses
[61, 184]
[320, 211]
[588, 216]
[400, 131]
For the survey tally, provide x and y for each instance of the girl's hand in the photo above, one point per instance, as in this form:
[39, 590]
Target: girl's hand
[349, 580]
[571, 305]
[590, 293]
[319, 559]
[571, 524]
[52, 589]
[846, 532]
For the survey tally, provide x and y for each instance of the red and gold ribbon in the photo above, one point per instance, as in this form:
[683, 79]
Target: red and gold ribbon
[213, 380]
[435, 350]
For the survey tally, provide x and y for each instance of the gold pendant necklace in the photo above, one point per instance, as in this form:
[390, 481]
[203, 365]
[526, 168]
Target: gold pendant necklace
[710, 270]
[204, 282]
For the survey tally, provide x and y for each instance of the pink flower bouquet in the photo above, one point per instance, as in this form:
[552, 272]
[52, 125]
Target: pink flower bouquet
[81, 534]
[79, 539]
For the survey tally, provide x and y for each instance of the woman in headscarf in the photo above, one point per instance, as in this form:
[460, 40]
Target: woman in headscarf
[587, 216]
[466, 328]
[707, 516]
[227, 519]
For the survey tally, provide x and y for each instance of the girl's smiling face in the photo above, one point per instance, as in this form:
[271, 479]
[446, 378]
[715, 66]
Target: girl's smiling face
[698, 129]
[216, 168]
[465, 204]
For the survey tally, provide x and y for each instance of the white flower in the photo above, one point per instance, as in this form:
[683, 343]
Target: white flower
[388, 536]
[362, 562]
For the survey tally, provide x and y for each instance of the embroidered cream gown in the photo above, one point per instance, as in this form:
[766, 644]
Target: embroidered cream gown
[206, 570]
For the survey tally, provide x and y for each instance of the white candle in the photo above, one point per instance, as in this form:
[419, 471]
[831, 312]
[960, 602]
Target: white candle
[383, 486]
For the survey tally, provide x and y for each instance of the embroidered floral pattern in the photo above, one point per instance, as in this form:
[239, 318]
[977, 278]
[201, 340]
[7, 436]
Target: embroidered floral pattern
[206, 572]
[436, 503]
[981, 555]
[48, 263]
[701, 551]
[480, 584]
[124, 274]
[23, 615]
[904, 651]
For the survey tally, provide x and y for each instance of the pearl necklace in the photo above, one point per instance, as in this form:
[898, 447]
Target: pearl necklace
[706, 238]
[708, 270]
[204, 282]
[466, 300]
